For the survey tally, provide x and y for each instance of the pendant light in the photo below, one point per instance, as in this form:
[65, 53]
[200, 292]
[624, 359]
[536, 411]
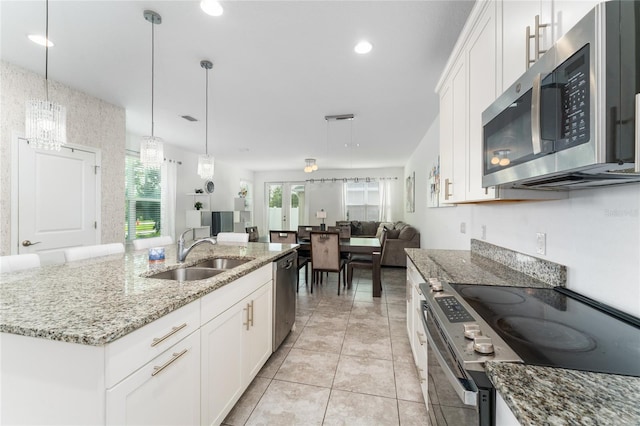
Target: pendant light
[151, 147]
[205, 162]
[46, 121]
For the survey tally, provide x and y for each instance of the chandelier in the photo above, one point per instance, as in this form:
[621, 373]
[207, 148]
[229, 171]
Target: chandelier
[311, 165]
[151, 147]
[205, 162]
[46, 121]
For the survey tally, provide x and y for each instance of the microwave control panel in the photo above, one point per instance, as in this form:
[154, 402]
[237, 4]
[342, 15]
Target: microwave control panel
[575, 97]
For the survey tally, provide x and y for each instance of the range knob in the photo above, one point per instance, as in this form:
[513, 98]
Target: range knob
[483, 345]
[435, 284]
[472, 330]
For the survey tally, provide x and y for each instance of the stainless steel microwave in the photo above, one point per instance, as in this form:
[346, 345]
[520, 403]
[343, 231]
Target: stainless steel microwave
[571, 121]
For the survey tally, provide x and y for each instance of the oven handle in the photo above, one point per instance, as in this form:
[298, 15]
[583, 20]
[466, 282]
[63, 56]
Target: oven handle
[535, 114]
[468, 397]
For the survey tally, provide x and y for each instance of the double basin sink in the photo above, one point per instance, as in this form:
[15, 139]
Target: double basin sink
[202, 270]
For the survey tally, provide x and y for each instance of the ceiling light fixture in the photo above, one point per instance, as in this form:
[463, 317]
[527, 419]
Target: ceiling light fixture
[311, 165]
[211, 7]
[205, 162]
[41, 40]
[363, 47]
[45, 121]
[151, 147]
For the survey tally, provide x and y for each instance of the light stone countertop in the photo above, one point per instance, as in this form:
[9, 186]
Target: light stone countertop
[97, 301]
[537, 395]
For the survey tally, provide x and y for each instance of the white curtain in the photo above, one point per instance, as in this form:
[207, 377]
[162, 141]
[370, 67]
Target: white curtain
[168, 198]
[384, 186]
[343, 203]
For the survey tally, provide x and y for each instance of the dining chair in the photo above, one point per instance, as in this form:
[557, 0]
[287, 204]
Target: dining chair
[19, 262]
[363, 261]
[88, 252]
[232, 237]
[325, 257]
[291, 237]
[343, 230]
[144, 243]
[253, 233]
[304, 231]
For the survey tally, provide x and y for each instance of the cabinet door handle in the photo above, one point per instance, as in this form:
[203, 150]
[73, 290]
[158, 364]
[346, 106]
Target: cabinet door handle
[537, 35]
[420, 371]
[251, 310]
[422, 342]
[248, 309]
[174, 330]
[158, 369]
[447, 194]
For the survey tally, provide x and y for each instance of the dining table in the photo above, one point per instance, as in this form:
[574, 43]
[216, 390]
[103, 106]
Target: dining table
[358, 245]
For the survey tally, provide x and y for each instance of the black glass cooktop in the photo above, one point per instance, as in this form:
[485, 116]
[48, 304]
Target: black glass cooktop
[558, 328]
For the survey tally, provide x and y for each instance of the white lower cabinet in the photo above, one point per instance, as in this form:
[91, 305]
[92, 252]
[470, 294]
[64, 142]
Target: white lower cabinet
[235, 345]
[164, 391]
[417, 337]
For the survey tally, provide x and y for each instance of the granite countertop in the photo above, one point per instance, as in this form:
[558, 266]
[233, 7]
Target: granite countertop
[97, 301]
[536, 395]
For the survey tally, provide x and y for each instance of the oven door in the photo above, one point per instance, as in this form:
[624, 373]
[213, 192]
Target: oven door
[456, 375]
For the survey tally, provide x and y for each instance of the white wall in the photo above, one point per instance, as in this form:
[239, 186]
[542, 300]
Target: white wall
[327, 195]
[595, 233]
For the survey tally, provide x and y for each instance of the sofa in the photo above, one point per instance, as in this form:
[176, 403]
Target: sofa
[399, 236]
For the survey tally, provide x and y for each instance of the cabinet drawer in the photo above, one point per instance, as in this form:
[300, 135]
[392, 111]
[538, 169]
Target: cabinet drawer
[164, 391]
[130, 352]
[216, 302]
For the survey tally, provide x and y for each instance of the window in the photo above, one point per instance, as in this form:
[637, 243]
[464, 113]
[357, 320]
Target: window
[143, 205]
[362, 200]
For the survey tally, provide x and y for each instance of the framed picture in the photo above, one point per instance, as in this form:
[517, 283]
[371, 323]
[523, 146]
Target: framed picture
[433, 199]
[411, 192]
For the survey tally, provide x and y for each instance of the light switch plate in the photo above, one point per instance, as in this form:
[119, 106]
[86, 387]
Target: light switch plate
[541, 243]
[484, 232]
[463, 228]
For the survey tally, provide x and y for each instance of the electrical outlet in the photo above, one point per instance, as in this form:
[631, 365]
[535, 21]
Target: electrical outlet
[484, 232]
[541, 243]
[463, 228]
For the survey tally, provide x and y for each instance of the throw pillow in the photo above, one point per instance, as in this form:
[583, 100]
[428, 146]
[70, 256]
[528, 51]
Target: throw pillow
[408, 232]
[393, 234]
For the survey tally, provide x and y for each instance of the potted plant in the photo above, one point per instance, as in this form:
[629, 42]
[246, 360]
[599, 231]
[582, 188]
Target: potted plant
[198, 205]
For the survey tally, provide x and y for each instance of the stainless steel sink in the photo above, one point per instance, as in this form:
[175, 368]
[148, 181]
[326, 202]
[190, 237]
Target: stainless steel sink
[222, 263]
[188, 274]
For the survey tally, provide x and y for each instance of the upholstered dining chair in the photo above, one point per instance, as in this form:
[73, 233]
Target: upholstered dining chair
[343, 230]
[88, 252]
[363, 261]
[304, 231]
[325, 257]
[232, 237]
[19, 262]
[144, 243]
[253, 233]
[291, 237]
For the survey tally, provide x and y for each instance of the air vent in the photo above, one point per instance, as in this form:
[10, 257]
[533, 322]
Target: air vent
[189, 118]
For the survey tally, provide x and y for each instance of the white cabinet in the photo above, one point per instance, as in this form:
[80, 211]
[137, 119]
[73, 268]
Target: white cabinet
[415, 330]
[164, 391]
[504, 415]
[556, 17]
[236, 342]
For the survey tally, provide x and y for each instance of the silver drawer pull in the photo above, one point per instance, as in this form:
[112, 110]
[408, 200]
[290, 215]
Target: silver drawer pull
[422, 342]
[422, 379]
[158, 369]
[174, 330]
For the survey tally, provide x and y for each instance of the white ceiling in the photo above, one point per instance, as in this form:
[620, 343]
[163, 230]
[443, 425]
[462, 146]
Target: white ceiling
[279, 68]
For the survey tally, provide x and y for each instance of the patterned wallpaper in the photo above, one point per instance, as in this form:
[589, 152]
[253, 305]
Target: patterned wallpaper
[90, 122]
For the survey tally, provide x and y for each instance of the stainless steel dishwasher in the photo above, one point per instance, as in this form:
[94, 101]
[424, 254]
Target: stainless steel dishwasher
[284, 297]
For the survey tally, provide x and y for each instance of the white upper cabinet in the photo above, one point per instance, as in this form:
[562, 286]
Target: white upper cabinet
[555, 18]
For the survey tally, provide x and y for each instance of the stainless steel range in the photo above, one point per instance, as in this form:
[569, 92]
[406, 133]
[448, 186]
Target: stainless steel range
[468, 325]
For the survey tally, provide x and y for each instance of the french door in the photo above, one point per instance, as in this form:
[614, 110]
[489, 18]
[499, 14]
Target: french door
[286, 205]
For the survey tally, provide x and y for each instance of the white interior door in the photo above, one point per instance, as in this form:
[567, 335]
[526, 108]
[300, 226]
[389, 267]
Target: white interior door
[57, 200]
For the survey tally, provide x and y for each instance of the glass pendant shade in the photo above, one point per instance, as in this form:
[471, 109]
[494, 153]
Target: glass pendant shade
[46, 124]
[151, 151]
[205, 166]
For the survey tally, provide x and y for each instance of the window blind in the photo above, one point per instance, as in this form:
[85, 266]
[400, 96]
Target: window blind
[143, 188]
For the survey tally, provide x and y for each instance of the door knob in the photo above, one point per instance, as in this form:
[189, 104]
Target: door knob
[28, 243]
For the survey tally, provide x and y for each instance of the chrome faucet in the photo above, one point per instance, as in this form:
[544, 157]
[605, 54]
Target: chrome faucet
[183, 252]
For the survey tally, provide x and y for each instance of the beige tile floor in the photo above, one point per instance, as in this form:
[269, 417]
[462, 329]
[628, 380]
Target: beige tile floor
[348, 362]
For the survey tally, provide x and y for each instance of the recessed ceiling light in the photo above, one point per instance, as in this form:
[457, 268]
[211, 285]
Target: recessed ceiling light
[363, 47]
[211, 7]
[41, 40]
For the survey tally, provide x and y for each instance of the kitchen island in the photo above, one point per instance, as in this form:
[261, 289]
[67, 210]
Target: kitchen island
[100, 342]
[528, 394]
